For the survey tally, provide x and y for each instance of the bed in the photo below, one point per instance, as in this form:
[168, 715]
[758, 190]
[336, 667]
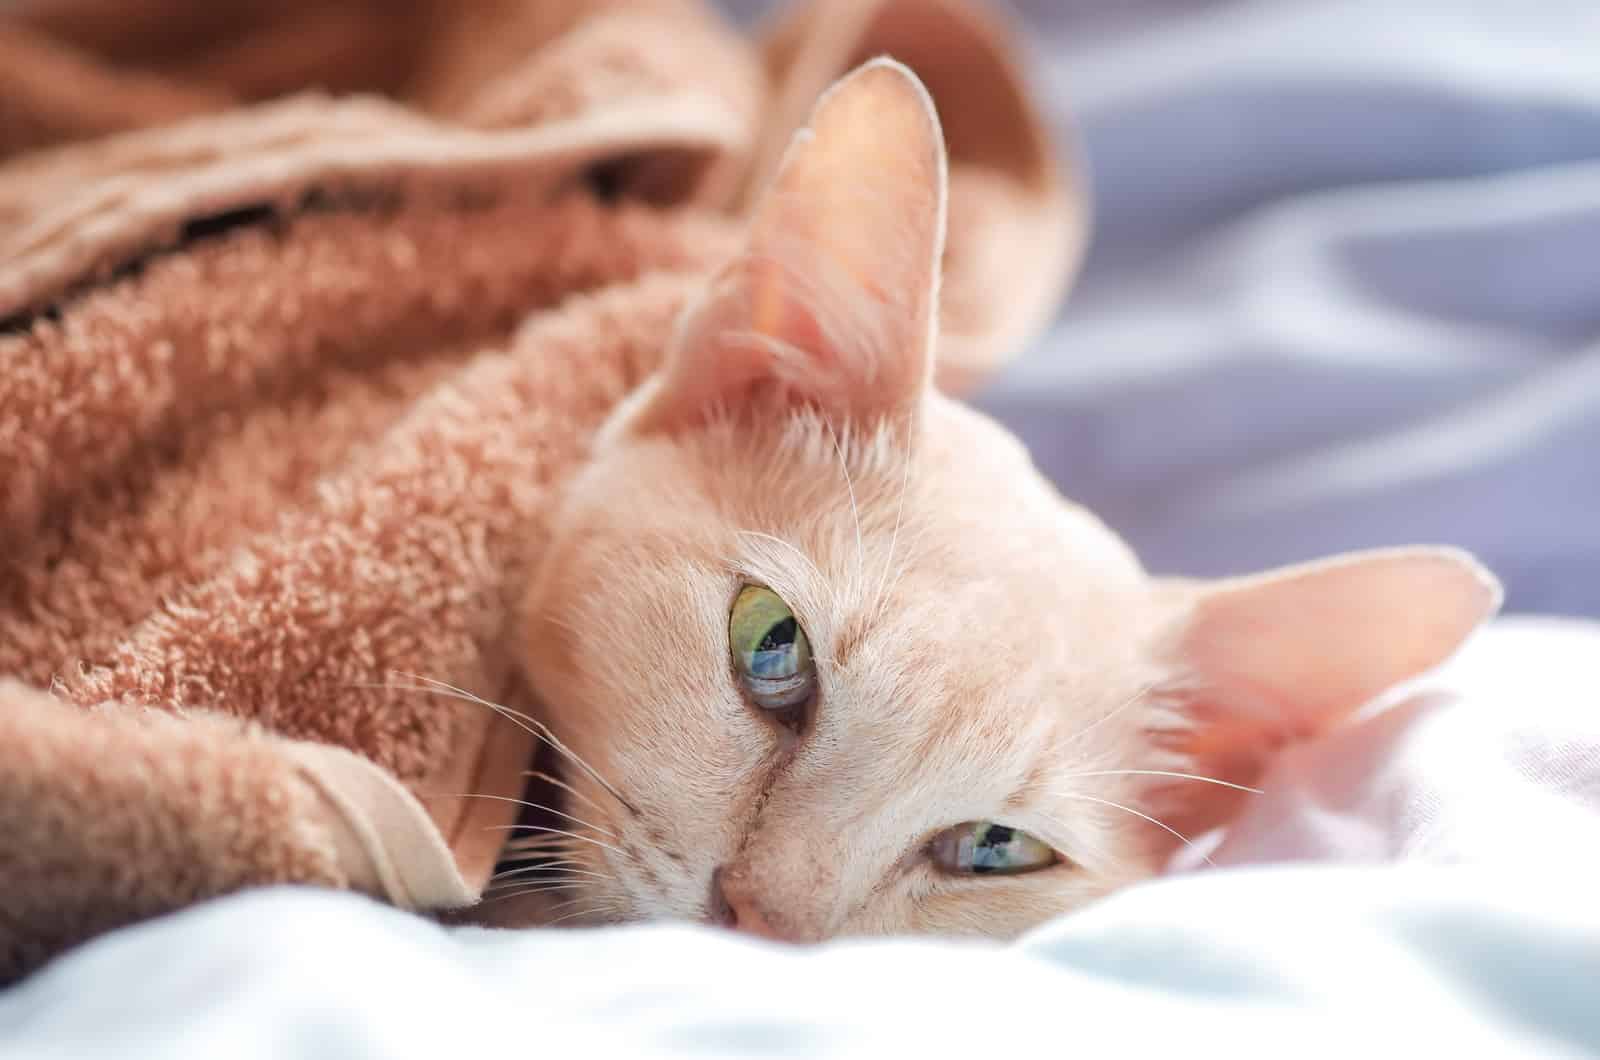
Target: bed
[1343, 292]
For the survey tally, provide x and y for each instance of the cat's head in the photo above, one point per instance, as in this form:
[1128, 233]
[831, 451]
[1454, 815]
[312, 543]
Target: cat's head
[849, 662]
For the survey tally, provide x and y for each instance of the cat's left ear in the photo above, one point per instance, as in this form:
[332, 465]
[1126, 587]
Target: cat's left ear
[1264, 661]
[834, 301]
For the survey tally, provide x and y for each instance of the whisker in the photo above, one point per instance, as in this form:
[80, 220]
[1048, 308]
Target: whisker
[531, 725]
[1161, 773]
[531, 890]
[522, 855]
[1144, 816]
[572, 902]
[524, 851]
[564, 786]
[581, 912]
[595, 908]
[530, 805]
[816, 571]
[498, 884]
[894, 539]
[530, 841]
[1113, 712]
[555, 831]
[511, 885]
[529, 868]
[855, 511]
[551, 868]
[561, 624]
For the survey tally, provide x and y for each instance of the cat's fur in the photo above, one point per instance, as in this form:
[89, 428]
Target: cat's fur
[986, 650]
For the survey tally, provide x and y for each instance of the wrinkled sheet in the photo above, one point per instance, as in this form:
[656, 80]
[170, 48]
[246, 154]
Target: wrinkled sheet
[1344, 290]
[1344, 293]
[1261, 962]
[1492, 760]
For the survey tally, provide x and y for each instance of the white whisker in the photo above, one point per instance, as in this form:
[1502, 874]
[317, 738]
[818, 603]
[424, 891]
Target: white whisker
[595, 908]
[532, 726]
[1161, 773]
[568, 884]
[855, 511]
[551, 868]
[564, 786]
[535, 846]
[1113, 712]
[555, 831]
[507, 884]
[1144, 816]
[531, 890]
[816, 571]
[530, 805]
[894, 539]
[531, 868]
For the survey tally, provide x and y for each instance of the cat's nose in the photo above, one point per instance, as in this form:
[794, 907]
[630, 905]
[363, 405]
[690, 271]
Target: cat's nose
[734, 906]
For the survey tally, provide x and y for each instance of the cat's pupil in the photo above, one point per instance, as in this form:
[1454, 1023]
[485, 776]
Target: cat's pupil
[987, 854]
[780, 636]
[997, 835]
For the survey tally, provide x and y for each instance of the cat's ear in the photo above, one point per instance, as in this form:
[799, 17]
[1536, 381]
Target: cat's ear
[1271, 659]
[833, 302]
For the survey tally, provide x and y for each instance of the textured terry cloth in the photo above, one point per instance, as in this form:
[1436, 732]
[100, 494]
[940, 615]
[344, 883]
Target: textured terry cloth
[306, 310]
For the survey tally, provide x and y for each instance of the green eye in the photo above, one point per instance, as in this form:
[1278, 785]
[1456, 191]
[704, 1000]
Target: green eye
[983, 847]
[770, 650]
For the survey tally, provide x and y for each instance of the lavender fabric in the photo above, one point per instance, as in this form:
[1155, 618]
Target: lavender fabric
[1344, 288]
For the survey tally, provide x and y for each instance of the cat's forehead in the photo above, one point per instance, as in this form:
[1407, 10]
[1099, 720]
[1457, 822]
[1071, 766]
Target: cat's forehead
[958, 500]
[872, 531]
[954, 577]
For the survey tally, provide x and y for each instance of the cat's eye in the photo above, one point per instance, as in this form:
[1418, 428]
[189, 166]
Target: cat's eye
[770, 651]
[984, 847]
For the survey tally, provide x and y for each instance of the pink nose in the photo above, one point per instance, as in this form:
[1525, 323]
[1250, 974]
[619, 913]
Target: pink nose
[734, 906]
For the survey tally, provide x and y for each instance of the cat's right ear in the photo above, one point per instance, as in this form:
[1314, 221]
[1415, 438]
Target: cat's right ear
[1260, 662]
[834, 301]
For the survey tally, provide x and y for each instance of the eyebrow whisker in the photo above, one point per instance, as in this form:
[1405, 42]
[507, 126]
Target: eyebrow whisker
[1161, 773]
[1143, 816]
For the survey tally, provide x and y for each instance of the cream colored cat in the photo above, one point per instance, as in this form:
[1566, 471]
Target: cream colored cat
[846, 662]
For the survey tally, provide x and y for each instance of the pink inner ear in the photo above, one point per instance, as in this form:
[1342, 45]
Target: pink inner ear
[834, 300]
[1286, 655]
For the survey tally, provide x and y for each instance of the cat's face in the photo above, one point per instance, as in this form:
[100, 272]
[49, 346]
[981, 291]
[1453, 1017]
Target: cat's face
[848, 662]
[962, 644]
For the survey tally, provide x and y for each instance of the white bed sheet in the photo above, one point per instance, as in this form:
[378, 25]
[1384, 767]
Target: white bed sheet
[1258, 962]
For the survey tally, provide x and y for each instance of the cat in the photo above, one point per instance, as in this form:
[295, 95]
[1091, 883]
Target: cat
[837, 660]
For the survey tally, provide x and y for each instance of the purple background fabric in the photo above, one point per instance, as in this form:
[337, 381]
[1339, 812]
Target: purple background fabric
[1344, 286]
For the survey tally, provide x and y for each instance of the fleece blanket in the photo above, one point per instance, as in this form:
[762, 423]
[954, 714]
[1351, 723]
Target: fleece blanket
[306, 310]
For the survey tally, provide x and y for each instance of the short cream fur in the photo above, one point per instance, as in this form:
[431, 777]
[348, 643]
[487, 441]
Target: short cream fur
[986, 650]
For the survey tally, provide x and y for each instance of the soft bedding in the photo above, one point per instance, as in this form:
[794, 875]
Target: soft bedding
[1343, 292]
[1305, 962]
[1343, 288]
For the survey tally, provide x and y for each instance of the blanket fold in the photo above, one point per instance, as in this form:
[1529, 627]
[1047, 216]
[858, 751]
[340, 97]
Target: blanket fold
[306, 310]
